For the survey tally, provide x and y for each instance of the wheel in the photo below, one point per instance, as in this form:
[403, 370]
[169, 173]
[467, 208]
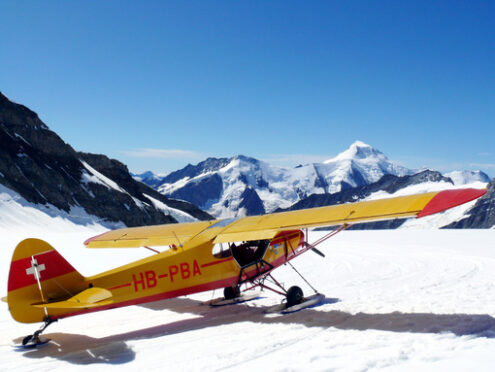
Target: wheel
[294, 296]
[231, 292]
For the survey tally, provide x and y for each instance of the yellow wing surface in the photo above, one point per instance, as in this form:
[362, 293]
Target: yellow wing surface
[157, 235]
[267, 226]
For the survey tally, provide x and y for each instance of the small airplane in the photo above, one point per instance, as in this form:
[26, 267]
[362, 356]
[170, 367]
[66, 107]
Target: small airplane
[198, 256]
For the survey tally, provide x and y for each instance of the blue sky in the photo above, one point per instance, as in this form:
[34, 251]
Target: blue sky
[160, 84]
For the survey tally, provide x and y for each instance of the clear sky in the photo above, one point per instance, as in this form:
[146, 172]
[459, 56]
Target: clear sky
[160, 84]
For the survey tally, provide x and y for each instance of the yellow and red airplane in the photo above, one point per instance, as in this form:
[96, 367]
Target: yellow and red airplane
[201, 256]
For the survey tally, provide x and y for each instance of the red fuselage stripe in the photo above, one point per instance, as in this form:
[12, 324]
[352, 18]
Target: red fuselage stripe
[217, 262]
[120, 286]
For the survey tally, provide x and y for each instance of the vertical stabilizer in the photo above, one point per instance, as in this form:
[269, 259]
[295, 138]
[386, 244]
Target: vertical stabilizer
[39, 274]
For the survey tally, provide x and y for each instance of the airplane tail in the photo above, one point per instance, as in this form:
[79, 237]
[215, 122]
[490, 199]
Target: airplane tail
[40, 275]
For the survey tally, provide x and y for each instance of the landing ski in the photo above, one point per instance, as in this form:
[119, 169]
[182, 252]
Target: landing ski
[308, 302]
[33, 343]
[222, 301]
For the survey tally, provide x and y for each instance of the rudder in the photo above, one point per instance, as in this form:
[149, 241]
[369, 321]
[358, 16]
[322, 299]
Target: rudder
[38, 273]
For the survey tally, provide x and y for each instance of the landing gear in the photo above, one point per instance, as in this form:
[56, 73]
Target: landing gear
[232, 295]
[231, 292]
[295, 301]
[294, 296]
[35, 339]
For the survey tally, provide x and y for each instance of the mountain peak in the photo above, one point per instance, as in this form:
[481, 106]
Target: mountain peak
[358, 150]
[359, 143]
[245, 158]
[468, 177]
[4, 97]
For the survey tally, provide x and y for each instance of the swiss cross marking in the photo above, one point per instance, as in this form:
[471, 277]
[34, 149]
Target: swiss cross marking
[35, 269]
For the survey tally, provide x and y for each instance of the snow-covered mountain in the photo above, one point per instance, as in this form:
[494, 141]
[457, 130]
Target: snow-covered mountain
[39, 171]
[238, 186]
[241, 185]
[149, 178]
[467, 177]
[359, 165]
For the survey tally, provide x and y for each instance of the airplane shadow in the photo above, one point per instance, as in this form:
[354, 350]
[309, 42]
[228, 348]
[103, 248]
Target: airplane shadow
[81, 349]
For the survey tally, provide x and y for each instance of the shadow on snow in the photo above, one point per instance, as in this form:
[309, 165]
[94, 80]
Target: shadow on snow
[81, 349]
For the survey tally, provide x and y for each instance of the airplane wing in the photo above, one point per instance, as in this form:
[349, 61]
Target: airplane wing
[267, 226]
[157, 235]
[419, 205]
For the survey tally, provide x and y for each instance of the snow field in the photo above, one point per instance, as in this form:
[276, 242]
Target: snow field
[396, 300]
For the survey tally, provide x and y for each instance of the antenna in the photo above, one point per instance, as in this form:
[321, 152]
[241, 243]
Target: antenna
[176, 237]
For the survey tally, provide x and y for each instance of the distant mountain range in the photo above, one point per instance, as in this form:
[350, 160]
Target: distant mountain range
[238, 186]
[227, 187]
[40, 172]
[37, 168]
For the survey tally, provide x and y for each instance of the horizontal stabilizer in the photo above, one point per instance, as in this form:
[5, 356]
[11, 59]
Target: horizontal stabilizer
[91, 297]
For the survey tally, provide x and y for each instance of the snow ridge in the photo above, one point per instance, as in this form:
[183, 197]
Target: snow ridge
[218, 185]
[242, 186]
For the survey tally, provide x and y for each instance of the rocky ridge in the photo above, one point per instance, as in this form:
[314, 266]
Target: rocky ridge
[38, 165]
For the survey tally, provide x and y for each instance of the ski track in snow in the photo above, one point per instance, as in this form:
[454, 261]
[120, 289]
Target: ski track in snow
[396, 300]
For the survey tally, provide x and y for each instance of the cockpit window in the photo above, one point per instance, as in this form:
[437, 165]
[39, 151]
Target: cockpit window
[221, 250]
[223, 223]
[250, 252]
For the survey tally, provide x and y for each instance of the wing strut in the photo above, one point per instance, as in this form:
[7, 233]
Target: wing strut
[303, 278]
[323, 238]
[151, 249]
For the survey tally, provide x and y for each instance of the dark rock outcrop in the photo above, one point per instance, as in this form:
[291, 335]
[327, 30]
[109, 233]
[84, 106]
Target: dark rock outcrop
[191, 171]
[251, 202]
[119, 173]
[201, 191]
[37, 164]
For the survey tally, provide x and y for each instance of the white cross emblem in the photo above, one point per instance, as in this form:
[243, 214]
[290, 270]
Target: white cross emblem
[35, 269]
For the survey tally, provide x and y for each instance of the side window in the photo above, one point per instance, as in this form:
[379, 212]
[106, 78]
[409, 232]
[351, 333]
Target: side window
[221, 250]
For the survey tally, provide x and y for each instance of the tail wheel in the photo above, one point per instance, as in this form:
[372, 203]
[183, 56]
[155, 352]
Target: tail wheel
[231, 292]
[294, 296]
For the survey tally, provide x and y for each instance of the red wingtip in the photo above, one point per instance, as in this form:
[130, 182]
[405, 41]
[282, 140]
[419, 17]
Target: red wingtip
[87, 241]
[449, 199]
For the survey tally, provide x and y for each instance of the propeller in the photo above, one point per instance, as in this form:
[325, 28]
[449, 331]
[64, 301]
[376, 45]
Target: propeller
[314, 249]
[318, 252]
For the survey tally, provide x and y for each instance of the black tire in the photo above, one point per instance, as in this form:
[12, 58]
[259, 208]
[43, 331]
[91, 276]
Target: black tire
[294, 296]
[231, 292]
